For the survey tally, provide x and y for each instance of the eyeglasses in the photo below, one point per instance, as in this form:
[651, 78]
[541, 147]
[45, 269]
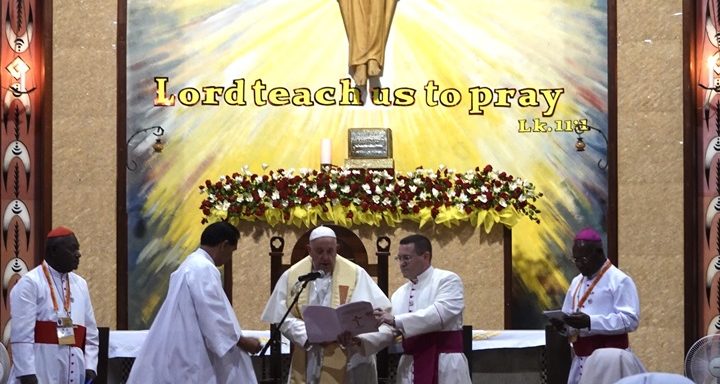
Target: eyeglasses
[403, 258]
[582, 259]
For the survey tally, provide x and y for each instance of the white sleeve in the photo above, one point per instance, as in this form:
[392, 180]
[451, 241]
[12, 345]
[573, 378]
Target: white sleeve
[23, 312]
[367, 290]
[215, 316]
[449, 302]
[92, 336]
[626, 315]
[568, 302]
[374, 342]
[293, 328]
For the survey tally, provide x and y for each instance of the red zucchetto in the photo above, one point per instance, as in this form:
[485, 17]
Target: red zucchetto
[60, 232]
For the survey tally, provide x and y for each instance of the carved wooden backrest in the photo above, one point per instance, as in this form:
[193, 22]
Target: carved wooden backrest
[349, 246]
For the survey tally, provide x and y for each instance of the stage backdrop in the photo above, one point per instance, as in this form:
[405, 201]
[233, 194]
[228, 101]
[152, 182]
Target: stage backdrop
[468, 83]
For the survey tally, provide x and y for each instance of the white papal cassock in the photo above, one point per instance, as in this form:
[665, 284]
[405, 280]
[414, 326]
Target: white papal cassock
[613, 307]
[360, 369]
[194, 336]
[31, 301]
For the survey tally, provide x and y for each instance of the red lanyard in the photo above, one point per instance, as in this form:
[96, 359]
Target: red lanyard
[66, 302]
[580, 304]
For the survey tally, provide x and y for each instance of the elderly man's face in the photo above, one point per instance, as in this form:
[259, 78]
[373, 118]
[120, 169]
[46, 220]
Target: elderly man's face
[65, 256]
[588, 259]
[323, 251]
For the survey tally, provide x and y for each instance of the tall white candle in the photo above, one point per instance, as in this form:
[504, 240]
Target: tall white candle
[325, 152]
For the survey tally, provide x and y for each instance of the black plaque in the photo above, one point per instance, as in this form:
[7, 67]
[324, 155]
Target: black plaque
[369, 143]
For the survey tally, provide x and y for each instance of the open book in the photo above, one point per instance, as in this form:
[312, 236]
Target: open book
[324, 324]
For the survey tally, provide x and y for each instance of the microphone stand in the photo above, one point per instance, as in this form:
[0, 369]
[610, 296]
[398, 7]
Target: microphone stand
[275, 339]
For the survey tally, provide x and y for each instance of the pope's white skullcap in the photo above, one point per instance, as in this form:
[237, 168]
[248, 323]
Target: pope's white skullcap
[321, 231]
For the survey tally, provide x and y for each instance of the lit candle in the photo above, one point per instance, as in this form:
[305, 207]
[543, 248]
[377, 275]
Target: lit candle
[325, 152]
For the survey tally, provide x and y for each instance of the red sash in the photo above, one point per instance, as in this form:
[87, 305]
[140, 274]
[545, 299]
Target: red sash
[585, 346]
[46, 333]
[425, 350]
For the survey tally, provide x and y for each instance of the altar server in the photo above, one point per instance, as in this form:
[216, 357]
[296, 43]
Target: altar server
[196, 337]
[427, 312]
[53, 334]
[343, 281]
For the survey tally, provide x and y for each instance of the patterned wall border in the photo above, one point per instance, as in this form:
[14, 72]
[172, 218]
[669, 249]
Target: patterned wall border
[25, 142]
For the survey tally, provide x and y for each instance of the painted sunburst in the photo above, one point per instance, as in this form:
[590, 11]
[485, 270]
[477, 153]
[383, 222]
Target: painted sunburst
[458, 44]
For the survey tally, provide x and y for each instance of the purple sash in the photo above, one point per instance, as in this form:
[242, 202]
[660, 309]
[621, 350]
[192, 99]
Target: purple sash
[425, 350]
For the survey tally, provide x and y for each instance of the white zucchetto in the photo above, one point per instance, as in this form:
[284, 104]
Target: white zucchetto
[321, 231]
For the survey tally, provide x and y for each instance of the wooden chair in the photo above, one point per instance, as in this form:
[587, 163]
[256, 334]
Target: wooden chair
[103, 347]
[349, 246]
[467, 332]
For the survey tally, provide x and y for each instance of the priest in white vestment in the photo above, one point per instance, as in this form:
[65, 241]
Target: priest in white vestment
[53, 334]
[196, 337]
[602, 303]
[427, 312]
[342, 282]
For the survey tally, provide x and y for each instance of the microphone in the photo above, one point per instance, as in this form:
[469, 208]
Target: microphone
[311, 276]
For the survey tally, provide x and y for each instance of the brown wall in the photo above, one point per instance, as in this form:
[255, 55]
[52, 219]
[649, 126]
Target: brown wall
[649, 173]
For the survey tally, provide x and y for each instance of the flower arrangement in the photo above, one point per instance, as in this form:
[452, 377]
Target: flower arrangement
[370, 197]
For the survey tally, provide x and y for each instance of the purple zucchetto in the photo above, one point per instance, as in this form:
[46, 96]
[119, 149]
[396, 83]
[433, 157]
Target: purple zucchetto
[588, 234]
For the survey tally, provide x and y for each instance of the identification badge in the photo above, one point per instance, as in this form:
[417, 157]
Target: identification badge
[65, 332]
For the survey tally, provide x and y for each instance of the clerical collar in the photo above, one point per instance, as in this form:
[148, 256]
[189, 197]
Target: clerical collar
[424, 276]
